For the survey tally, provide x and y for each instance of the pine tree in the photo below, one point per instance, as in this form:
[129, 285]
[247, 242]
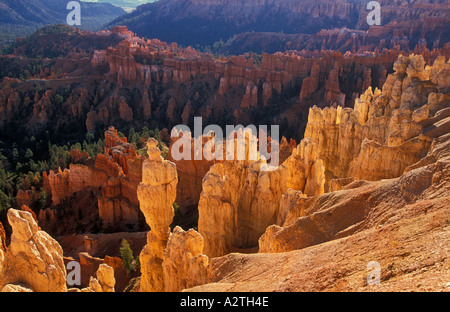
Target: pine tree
[126, 253]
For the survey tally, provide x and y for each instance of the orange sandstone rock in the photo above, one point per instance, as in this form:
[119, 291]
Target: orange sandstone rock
[169, 261]
[184, 265]
[33, 257]
[156, 194]
[238, 201]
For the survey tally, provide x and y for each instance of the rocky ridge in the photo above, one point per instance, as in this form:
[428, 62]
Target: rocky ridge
[404, 23]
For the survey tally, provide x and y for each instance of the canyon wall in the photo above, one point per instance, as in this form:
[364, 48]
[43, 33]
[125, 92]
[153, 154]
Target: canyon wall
[111, 180]
[239, 197]
[141, 81]
[238, 86]
[389, 203]
[190, 172]
[405, 23]
[119, 205]
[381, 136]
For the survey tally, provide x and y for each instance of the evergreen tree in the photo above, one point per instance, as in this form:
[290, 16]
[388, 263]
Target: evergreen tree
[126, 253]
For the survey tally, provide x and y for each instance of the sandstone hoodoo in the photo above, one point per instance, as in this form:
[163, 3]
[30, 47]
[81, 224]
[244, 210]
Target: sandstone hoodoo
[169, 261]
[33, 259]
[358, 172]
[241, 198]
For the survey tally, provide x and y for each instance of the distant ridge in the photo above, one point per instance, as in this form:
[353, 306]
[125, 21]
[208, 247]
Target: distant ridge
[23, 17]
[205, 22]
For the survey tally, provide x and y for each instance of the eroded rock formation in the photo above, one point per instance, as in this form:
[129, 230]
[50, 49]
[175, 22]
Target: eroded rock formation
[33, 258]
[377, 140]
[169, 261]
[112, 178]
[190, 171]
[184, 265]
[118, 205]
[105, 281]
[156, 194]
[325, 242]
[382, 135]
[387, 134]
[240, 198]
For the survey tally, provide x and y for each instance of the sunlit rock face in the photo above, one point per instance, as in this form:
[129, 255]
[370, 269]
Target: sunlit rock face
[33, 258]
[156, 194]
[388, 135]
[169, 261]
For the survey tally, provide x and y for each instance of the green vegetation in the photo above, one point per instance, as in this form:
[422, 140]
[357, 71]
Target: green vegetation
[178, 218]
[23, 163]
[140, 138]
[54, 29]
[130, 263]
[19, 68]
[153, 60]
[24, 160]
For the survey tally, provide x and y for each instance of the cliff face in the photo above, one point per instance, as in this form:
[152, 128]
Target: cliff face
[142, 81]
[391, 131]
[78, 177]
[239, 200]
[414, 35]
[118, 205]
[382, 135]
[298, 17]
[237, 80]
[190, 173]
